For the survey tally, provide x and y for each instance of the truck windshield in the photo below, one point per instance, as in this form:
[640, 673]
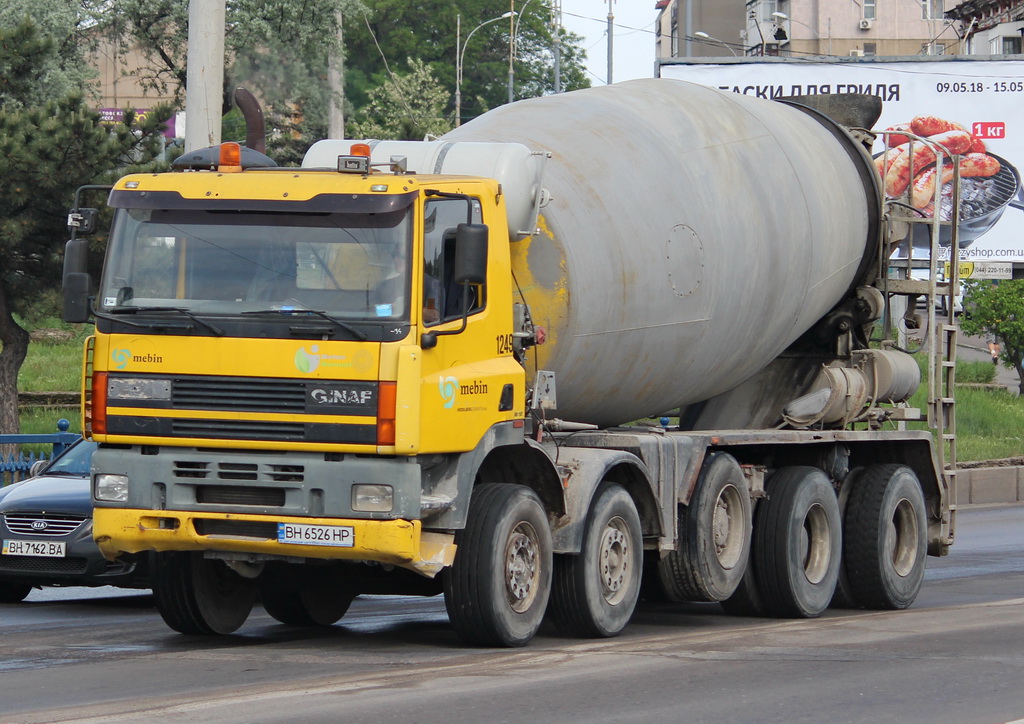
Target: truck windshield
[352, 266]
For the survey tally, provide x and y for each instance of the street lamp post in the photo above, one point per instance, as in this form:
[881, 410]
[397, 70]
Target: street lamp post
[460, 53]
[704, 36]
[513, 46]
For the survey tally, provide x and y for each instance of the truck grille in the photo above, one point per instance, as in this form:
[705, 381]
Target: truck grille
[240, 495]
[239, 429]
[238, 393]
[237, 471]
[41, 524]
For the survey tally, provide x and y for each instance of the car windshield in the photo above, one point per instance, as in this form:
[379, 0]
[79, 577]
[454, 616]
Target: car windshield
[75, 460]
[353, 266]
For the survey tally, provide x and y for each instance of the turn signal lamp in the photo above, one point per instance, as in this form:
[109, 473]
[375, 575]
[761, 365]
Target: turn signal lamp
[98, 403]
[230, 158]
[387, 398]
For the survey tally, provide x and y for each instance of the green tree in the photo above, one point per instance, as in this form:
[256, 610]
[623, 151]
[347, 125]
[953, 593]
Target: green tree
[998, 309]
[426, 30]
[407, 107]
[47, 150]
[278, 50]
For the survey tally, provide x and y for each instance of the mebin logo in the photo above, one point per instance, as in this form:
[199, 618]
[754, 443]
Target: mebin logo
[122, 357]
[310, 361]
[449, 389]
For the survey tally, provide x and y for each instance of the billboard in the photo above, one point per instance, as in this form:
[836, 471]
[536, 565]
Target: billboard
[975, 102]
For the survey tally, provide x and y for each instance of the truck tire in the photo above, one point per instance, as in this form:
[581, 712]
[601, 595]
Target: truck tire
[885, 533]
[303, 602]
[747, 599]
[798, 543]
[498, 587]
[593, 594]
[195, 595]
[713, 543]
[13, 592]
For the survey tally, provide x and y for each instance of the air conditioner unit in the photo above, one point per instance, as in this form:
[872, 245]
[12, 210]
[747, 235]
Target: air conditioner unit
[865, 24]
[856, 53]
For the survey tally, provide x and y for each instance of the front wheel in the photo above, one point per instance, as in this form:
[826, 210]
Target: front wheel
[594, 593]
[497, 589]
[196, 595]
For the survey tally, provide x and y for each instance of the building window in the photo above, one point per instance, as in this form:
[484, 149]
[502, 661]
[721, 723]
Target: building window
[761, 10]
[674, 37]
[1011, 46]
[870, 48]
[931, 9]
[869, 9]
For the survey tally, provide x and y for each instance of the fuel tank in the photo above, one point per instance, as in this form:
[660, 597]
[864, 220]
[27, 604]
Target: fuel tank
[691, 235]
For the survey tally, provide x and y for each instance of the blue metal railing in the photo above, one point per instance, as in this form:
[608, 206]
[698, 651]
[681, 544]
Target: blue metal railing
[16, 467]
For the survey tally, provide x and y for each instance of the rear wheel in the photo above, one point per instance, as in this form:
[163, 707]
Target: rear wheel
[594, 593]
[301, 600]
[497, 589]
[713, 538]
[798, 543]
[885, 533]
[195, 595]
[13, 592]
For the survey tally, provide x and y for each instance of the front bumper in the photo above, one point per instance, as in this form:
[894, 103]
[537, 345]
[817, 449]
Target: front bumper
[397, 542]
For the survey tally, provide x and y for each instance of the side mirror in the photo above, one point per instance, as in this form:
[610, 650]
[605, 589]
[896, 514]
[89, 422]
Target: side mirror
[76, 257]
[470, 254]
[76, 297]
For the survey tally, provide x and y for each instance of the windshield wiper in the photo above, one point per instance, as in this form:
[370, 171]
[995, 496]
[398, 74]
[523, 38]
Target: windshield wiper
[180, 310]
[357, 333]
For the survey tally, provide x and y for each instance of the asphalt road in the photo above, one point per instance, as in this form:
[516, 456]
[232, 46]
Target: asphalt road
[956, 656]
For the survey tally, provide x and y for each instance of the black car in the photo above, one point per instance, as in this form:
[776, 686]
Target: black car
[46, 529]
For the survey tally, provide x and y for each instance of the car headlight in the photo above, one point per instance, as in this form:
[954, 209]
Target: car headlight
[373, 498]
[111, 488]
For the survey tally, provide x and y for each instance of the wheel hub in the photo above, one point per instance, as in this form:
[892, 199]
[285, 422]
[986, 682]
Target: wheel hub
[521, 567]
[616, 572]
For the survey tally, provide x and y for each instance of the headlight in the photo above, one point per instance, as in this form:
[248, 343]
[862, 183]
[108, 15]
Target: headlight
[373, 498]
[111, 488]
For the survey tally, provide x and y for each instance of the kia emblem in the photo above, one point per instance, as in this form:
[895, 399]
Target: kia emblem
[38, 525]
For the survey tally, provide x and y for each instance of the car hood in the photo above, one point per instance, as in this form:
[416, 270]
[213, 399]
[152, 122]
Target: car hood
[48, 493]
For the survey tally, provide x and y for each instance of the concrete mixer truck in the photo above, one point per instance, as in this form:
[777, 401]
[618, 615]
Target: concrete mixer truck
[582, 342]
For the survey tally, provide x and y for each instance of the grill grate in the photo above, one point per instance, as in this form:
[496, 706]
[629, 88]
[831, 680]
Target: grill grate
[236, 528]
[238, 393]
[30, 523]
[239, 429]
[33, 564]
[240, 495]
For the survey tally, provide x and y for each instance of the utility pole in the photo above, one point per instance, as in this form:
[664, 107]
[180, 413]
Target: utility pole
[611, 34]
[556, 34]
[336, 82]
[204, 77]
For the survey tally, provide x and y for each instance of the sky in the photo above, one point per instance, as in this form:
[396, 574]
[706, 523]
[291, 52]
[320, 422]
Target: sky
[632, 41]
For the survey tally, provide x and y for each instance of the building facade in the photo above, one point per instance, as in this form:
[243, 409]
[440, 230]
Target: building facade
[989, 27]
[805, 28]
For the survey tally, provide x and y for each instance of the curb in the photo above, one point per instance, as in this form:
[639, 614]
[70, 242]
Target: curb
[985, 486]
